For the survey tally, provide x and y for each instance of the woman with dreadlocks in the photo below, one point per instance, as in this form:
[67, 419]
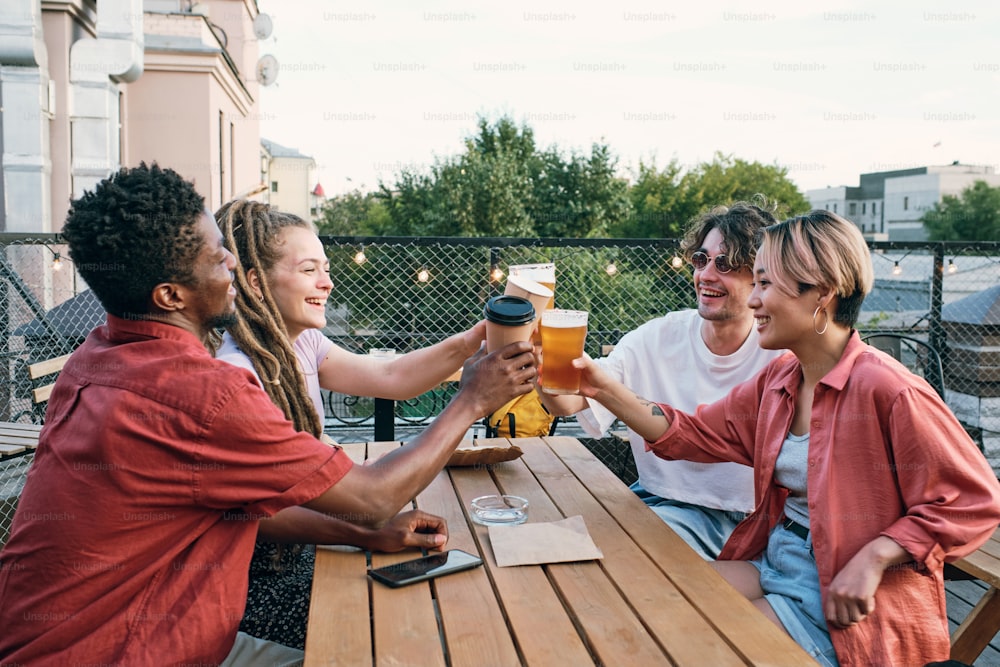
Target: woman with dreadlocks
[283, 283]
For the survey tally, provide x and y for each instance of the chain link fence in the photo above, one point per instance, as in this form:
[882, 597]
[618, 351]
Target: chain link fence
[406, 293]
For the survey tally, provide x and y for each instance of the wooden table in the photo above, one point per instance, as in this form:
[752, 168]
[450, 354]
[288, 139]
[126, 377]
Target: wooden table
[650, 601]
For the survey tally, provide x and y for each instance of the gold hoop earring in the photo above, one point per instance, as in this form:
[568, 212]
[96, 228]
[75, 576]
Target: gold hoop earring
[826, 324]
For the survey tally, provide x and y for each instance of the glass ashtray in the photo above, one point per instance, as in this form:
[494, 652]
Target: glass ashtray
[499, 510]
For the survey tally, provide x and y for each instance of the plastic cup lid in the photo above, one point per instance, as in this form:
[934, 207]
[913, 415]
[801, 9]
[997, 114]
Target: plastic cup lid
[509, 310]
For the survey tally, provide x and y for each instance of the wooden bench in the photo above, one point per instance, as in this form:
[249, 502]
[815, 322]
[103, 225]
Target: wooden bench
[983, 622]
[16, 438]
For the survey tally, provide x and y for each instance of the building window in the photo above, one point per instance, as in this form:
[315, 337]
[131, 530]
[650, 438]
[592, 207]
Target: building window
[834, 208]
[874, 206]
[274, 186]
[852, 208]
[864, 207]
[906, 203]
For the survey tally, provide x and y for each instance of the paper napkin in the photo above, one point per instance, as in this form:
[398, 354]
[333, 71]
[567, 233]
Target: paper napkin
[535, 543]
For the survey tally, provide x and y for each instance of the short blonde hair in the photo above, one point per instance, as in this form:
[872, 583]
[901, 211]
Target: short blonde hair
[819, 249]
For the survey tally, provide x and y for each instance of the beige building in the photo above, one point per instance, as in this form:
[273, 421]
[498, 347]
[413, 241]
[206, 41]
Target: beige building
[290, 177]
[90, 86]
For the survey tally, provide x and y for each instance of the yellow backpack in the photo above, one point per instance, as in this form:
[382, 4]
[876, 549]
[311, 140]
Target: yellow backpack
[524, 417]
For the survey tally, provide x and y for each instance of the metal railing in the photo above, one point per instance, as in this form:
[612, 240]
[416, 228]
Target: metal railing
[407, 293]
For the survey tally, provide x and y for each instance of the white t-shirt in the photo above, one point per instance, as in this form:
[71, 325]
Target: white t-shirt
[665, 360]
[311, 348]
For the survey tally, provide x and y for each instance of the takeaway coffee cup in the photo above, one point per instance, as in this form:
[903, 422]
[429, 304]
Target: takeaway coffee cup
[508, 319]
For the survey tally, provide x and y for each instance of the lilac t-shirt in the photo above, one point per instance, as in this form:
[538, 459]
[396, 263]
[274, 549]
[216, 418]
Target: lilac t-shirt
[311, 348]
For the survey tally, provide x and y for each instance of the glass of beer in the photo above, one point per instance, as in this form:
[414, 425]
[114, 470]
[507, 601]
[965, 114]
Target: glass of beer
[541, 273]
[563, 336]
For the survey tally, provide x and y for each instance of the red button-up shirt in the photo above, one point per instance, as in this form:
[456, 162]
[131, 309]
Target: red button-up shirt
[133, 535]
[886, 457]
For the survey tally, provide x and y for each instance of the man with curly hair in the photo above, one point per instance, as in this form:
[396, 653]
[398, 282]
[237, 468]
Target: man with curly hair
[689, 357]
[133, 535]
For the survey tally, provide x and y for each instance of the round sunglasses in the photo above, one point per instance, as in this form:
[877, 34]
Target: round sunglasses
[723, 264]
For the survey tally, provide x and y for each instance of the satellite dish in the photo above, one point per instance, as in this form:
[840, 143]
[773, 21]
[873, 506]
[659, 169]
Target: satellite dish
[267, 70]
[262, 26]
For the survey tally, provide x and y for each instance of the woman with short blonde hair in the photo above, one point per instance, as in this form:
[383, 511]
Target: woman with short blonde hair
[865, 482]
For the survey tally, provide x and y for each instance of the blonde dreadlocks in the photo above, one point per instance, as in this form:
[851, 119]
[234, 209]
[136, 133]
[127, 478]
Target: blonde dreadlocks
[250, 230]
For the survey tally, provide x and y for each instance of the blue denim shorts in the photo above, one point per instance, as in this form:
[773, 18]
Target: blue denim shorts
[790, 582]
[703, 528]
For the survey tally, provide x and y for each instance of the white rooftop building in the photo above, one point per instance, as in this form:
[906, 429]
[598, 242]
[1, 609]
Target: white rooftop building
[888, 205]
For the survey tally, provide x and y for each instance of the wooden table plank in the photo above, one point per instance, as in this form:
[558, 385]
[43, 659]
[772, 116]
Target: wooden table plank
[677, 625]
[339, 628]
[10, 449]
[466, 600]
[527, 596]
[410, 612]
[981, 565]
[745, 628]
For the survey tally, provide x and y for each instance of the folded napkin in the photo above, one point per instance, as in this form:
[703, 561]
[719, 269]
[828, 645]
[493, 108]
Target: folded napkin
[534, 543]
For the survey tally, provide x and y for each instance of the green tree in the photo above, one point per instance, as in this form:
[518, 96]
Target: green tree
[658, 206]
[664, 201]
[354, 214]
[503, 185]
[973, 216]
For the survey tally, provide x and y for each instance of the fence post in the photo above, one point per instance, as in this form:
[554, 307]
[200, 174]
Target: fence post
[936, 335]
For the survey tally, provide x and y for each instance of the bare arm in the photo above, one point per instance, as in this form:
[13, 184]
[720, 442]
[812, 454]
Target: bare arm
[371, 494]
[642, 416]
[403, 377]
[563, 404]
[300, 525]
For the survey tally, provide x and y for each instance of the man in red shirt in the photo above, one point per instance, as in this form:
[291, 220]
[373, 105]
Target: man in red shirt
[134, 532]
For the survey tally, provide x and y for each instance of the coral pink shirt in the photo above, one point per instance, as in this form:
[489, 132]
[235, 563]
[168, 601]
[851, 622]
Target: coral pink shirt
[133, 536]
[886, 457]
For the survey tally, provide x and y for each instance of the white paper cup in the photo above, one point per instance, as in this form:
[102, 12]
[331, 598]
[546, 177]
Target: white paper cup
[538, 294]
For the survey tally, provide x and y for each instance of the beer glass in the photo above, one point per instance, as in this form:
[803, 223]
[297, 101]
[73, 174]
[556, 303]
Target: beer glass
[563, 336]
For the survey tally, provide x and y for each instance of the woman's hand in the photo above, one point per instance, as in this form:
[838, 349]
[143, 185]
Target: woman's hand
[851, 596]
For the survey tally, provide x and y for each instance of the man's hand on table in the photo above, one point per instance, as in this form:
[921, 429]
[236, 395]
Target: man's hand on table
[412, 529]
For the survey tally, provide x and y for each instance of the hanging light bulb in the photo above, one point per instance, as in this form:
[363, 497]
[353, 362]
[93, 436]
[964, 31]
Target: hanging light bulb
[677, 262]
[896, 269]
[951, 266]
[611, 269]
[57, 262]
[359, 257]
[423, 275]
[496, 274]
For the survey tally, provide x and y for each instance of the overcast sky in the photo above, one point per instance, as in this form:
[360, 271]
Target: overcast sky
[829, 89]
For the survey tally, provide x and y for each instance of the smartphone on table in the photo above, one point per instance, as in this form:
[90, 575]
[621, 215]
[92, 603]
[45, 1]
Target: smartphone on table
[424, 568]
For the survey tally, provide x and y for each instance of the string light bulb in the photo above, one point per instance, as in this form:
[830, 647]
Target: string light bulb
[951, 266]
[677, 262]
[57, 263]
[896, 268]
[496, 274]
[611, 269]
[423, 275]
[359, 257]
